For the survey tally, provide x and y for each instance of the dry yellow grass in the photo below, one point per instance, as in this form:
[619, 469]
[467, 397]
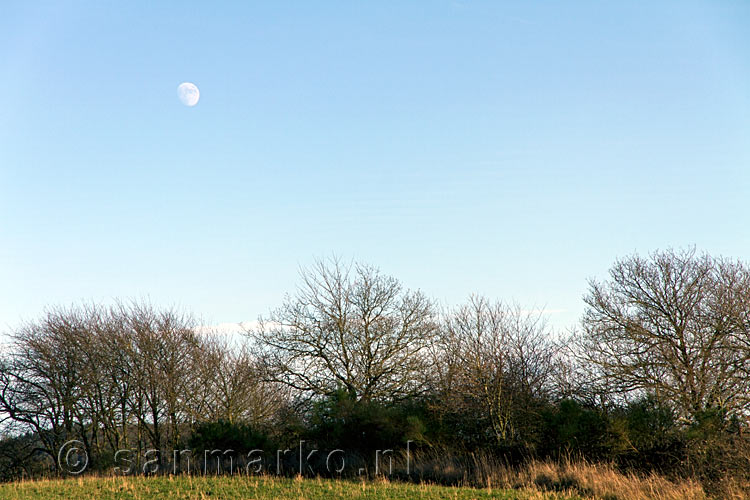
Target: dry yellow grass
[597, 481]
[573, 479]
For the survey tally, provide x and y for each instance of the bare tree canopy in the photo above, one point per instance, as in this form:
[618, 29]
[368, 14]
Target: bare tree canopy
[230, 386]
[348, 327]
[41, 386]
[123, 375]
[352, 360]
[676, 325]
[495, 358]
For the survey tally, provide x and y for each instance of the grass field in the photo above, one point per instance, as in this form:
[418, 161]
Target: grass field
[192, 487]
[535, 480]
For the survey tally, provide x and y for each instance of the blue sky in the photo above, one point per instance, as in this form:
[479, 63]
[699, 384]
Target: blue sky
[512, 149]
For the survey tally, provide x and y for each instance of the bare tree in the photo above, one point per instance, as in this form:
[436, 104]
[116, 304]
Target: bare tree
[230, 378]
[163, 351]
[496, 359]
[675, 325]
[348, 327]
[97, 374]
[41, 379]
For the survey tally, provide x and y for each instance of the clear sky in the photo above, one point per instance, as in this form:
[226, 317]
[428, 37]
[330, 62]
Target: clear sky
[512, 149]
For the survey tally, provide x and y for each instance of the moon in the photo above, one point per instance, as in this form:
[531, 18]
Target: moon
[188, 94]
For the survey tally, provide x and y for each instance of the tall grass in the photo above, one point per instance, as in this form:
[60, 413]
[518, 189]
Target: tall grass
[474, 476]
[568, 478]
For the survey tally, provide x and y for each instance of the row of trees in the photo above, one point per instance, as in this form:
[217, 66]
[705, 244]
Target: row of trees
[666, 336]
[351, 328]
[124, 376]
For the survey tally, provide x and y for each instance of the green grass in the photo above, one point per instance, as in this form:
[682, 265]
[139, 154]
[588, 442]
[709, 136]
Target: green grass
[243, 487]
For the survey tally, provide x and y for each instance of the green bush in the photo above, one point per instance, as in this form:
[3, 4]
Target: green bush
[573, 429]
[655, 441]
[339, 421]
[223, 435]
